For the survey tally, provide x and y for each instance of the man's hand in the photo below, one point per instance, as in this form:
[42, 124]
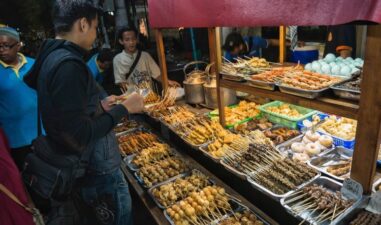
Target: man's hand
[173, 83]
[108, 102]
[134, 103]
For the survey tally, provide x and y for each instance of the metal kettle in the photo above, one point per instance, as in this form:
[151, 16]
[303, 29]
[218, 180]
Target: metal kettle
[210, 89]
[193, 84]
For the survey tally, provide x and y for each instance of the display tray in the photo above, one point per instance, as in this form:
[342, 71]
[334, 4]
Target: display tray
[332, 186]
[183, 175]
[140, 128]
[140, 180]
[285, 120]
[261, 84]
[311, 94]
[128, 160]
[285, 147]
[279, 196]
[346, 93]
[231, 77]
[234, 205]
[350, 144]
[239, 210]
[349, 217]
[275, 127]
[331, 157]
[204, 149]
[238, 173]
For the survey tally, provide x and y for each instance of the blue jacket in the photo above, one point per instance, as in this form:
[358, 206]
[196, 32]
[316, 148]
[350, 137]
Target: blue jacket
[95, 70]
[255, 45]
[18, 104]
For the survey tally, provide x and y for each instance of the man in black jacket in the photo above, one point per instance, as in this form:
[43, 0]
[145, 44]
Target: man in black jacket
[76, 113]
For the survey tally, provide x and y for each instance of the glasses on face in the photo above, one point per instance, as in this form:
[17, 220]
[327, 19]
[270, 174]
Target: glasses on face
[8, 47]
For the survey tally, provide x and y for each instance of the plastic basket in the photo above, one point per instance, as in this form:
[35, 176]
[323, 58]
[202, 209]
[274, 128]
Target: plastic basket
[285, 120]
[349, 144]
[301, 125]
[214, 115]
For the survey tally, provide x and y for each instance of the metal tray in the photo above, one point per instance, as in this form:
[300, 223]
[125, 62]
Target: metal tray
[353, 214]
[183, 175]
[238, 173]
[311, 94]
[234, 205]
[133, 167]
[315, 162]
[346, 93]
[240, 210]
[376, 184]
[277, 126]
[331, 185]
[261, 84]
[277, 196]
[231, 77]
[285, 147]
[204, 149]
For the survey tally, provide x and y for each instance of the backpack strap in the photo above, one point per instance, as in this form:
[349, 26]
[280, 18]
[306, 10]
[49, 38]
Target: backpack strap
[134, 64]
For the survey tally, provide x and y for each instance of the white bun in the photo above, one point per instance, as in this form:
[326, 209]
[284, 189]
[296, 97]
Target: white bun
[326, 141]
[313, 149]
[297, 147]
[313, 136]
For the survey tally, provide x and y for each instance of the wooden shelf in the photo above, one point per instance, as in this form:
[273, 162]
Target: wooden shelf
[330, 105]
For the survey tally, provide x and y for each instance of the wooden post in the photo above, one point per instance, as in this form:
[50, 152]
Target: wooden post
[221, 110]
[161, 56]
[369, 118]
[212, 47]
[282, 44]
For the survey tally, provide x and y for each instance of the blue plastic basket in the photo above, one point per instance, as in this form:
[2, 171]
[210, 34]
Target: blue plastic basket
[350, 144]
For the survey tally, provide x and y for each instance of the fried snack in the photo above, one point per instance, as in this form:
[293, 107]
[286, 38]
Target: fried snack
[340, 127]
[281, 134]
[254, 124]
[227, 142]
[245, 66]
[159, 171]
[135, 142]
[178, 114]
[340, 170]
[285, 110]
[170, 193]
[199, 131]
[207, 205]
[307, 80]
[244, 218]
[152, 154]
[151, 98]
[168, 100]
[244, 110]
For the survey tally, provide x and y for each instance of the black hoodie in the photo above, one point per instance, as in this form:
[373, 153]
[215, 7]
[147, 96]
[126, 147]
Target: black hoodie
[69, 101]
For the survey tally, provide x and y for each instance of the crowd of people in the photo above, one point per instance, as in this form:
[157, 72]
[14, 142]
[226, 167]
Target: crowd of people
[58, 122]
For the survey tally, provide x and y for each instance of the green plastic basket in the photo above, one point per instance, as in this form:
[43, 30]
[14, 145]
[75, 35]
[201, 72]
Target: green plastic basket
[213, 115]
[285, 120]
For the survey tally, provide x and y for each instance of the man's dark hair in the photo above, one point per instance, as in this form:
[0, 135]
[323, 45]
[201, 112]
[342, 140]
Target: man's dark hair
[127, 29]
[105, 55]
[232, 41]
[66, 12]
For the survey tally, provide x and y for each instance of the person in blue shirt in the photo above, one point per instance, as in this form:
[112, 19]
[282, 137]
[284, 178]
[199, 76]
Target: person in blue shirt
[99, 63]
[237, 46]
[18, 102]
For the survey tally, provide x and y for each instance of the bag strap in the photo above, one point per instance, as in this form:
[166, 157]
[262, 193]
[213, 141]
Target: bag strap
[14, 198]
[134, 64]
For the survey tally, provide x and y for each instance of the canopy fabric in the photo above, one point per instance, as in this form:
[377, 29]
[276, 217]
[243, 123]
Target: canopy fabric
[250, 13]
